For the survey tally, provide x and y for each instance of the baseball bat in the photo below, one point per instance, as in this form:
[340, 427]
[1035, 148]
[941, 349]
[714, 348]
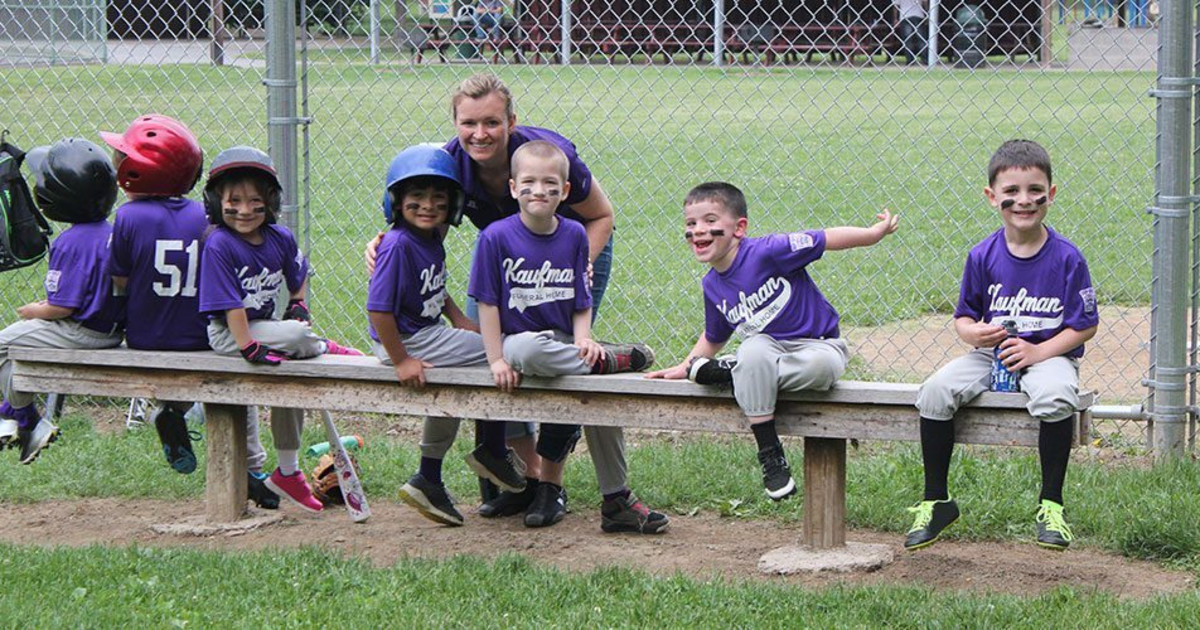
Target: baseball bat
[352, 491]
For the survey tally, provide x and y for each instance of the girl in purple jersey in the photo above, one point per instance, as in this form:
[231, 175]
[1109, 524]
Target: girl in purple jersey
[74, 183]
[1030, 276]
[246, 262]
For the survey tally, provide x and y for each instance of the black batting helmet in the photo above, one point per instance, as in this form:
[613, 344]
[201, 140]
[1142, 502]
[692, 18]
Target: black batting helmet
[241, 160]
[74, 181]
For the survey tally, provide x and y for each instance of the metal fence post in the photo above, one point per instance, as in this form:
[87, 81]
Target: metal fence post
[1172, 209]
[281, 102]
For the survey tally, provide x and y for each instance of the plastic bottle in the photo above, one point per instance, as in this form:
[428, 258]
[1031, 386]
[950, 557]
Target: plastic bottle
[1002, 379]
[351, 442]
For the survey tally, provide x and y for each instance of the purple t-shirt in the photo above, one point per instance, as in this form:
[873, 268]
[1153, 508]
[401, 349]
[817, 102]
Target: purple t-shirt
[236, 274]
[1043, 294]
[539, 281]
[409, 280]
[483, 210]
[767, 290]
[78, 278]
[156, 245]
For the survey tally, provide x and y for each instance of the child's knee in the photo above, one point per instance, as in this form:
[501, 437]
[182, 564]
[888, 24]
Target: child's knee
[935, 400]
[521, 349]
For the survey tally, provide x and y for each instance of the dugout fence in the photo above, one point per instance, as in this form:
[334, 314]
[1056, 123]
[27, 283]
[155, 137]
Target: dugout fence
[337, 87]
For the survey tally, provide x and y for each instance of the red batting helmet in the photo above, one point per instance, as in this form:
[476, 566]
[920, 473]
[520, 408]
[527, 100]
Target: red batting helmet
[162, 157]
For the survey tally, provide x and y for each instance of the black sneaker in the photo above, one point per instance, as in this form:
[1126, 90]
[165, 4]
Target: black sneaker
[510, 503]
[431, 500]
[507, 473]
[177, 445]
[706, 371]
[623, 357]
[549, 506]
[1052, 529]
[260, 493]
[33, 440]
[628, 514]
[777, 475]
[933, 517]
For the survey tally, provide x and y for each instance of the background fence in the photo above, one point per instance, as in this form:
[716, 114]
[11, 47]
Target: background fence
[808, 106]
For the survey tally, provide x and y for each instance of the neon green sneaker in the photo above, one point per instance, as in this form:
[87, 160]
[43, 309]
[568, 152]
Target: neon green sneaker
[1052, 529]
[932, 518]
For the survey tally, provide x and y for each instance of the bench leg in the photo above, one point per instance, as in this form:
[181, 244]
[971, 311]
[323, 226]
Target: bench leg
[824, 493]
[225, 491]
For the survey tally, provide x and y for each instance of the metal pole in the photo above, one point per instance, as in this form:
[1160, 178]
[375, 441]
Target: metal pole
[932, 35]
[719, 33]
[565, 23]
[217, 48]
[281, 102]
[375, 31]
[1172, 210]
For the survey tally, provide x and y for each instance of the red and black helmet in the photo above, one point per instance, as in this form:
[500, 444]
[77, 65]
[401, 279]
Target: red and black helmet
[162, 156]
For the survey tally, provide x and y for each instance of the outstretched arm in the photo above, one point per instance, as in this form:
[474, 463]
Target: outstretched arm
[703, 348]
[838, 238]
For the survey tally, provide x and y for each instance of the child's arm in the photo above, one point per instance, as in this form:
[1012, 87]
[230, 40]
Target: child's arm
[409, 369]
[589, 350]
[979, 334]
[507, 379]
[457, 318]
[703, 348]
[1018, 354]
[838, 238]
[297, 308]
[43, 310]
[252, 351]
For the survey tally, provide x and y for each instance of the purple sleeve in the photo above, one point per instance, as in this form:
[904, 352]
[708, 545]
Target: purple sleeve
[484, 284]
[67, 277]
[220, 290]
[1080, 312]
[295, 264]
[716, 327]
[793, 252]
[972, 293]
[383, 289]
[119, 250]
[583, 286]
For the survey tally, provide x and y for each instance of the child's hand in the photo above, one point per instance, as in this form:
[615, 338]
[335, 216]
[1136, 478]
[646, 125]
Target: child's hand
[887, 224]
[1017, 354]
[983, 335]
[262, 354]
[589, 351]
[371, 251]
[298, 310]
[29, 311]
[672, 373]
[411, 372]
[506, 378]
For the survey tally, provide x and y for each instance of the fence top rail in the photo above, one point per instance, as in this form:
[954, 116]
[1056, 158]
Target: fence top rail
[370, 369]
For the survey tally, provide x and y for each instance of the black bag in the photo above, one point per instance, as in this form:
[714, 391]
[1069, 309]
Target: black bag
[24, 233]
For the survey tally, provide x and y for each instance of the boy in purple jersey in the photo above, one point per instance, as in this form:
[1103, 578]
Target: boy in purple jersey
[530, 279]
[759, 291]
[406, 300]
[155, 261]
[74, 183]
[1027, 274]
[247, 261]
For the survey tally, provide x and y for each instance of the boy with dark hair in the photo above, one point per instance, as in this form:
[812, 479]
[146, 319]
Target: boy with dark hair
[759, 290]
[1027, 275]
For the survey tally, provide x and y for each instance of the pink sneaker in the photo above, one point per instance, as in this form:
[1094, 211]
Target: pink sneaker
[294, 488]
[333, 347]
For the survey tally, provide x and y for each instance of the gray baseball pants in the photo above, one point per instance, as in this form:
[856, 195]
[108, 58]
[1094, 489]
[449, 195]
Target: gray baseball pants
[767, 366]
[46, 333]
[1052, 386]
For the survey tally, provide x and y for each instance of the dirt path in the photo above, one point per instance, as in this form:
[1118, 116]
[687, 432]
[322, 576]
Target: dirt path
[702, 547]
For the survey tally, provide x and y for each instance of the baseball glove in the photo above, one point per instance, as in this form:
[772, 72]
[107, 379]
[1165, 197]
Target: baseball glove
[325, 484]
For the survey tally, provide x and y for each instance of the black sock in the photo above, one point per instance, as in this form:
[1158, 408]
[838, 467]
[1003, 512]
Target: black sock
[431, 470]
[1054, 450]
[620, 494]
[493, 438]
[937, 445]
[765, 434]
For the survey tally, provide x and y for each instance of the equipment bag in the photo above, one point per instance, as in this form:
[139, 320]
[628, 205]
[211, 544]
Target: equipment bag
[24, 233]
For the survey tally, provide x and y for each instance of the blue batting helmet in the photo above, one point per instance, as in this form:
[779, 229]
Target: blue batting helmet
[422, 160]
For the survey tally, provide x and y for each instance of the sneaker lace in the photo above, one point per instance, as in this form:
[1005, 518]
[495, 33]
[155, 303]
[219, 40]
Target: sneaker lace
[1051, 516]
[924, 512]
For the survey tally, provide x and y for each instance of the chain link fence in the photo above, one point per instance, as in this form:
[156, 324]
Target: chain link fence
[822, 111]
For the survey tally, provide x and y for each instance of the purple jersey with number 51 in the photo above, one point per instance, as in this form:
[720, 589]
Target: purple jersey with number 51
[156, 245]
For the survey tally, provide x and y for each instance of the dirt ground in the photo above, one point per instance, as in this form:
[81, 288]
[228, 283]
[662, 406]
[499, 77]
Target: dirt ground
[702, 546]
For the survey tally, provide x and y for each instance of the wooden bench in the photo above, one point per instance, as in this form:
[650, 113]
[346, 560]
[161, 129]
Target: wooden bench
[440, 37]
[826, 420]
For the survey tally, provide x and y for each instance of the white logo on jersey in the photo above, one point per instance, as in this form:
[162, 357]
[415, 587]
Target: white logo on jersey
[800, 240]
[756, 311]
[52, 277]
[1018, 305]
[534, 290]
[433, 281]
[261, 288]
